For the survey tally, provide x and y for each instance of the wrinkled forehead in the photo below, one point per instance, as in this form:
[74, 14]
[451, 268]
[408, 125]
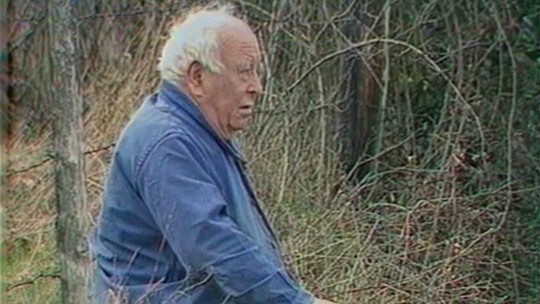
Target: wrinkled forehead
[239, 44]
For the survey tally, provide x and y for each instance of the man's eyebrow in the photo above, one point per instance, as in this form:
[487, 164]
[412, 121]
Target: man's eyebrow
[248, 63]
[253, 63]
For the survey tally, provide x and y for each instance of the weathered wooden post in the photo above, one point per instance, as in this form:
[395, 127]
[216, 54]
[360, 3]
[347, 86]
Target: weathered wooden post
[359, 110]
[6, 89]
[4, 126]
[72, 221]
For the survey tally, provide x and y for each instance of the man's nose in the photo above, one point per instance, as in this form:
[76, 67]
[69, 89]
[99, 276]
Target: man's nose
[256, 85]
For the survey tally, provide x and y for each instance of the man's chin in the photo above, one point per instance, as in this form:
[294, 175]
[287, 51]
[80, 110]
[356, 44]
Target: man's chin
[239, 128]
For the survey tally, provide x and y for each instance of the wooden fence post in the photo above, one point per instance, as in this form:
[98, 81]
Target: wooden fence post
[73, 219]
[360, 93]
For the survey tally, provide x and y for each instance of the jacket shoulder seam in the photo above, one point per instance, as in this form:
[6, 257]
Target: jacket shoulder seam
[146, 153]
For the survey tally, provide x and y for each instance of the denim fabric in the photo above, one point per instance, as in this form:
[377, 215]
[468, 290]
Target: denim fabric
[180, 222]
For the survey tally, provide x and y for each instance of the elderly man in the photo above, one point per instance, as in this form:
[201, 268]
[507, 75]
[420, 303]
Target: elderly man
[180, 222]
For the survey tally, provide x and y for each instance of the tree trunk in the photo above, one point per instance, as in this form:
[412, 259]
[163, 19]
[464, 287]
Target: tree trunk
[6, 88]
[360, 92]
[72, 222]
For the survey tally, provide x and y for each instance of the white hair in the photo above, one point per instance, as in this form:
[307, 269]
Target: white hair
[195, 39]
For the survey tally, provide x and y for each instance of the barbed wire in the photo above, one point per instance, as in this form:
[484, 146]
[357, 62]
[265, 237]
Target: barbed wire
[54, 275]
[270, 112]
[50, 157]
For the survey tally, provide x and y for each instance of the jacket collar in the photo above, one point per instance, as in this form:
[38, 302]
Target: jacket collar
[180, 101]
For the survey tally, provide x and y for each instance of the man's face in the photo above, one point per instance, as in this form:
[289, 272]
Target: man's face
[231, 94]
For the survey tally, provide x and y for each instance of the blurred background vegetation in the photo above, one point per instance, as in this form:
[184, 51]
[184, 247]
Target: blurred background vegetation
[396, 146]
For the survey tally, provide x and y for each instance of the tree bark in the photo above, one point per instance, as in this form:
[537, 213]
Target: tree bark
[361, 92]
[72, 221]
[5, 81]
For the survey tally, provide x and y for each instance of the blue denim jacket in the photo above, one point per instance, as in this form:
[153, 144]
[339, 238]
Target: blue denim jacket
[180, 222]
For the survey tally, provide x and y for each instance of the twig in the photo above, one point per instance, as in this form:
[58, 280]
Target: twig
[362, 185]
[121, 13]
[510, 124]
[386, 81]
[432, 63]
[382, 153]
[34, 280]
[114, 14]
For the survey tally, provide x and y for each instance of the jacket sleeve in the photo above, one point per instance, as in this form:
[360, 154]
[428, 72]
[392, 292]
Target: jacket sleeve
[192, 214]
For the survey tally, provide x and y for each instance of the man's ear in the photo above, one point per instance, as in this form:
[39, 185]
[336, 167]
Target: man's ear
[194, 78]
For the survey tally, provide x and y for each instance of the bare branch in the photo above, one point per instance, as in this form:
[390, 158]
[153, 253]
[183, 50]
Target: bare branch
[434, 65]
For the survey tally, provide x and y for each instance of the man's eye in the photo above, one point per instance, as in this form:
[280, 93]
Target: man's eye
[246, 69]
[251, 69]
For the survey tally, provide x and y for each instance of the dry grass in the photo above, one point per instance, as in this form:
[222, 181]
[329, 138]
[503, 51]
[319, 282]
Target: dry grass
[447, 217]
